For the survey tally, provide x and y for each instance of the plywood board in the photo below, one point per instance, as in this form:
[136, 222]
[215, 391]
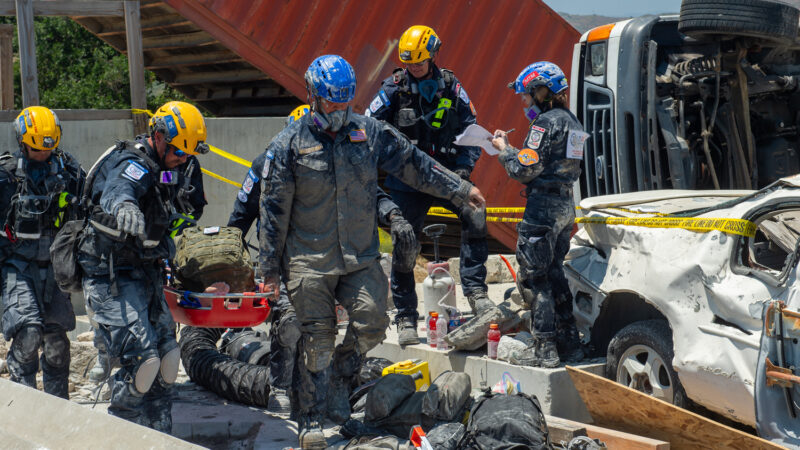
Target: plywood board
[613, 439]
[619, 407]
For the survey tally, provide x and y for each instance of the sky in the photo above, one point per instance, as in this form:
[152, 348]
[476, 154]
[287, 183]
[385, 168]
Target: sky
[615, 8]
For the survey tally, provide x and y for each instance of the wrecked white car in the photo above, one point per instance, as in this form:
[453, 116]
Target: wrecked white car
[676, 287]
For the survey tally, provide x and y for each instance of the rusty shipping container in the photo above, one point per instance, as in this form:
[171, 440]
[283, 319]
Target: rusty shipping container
[485, 42]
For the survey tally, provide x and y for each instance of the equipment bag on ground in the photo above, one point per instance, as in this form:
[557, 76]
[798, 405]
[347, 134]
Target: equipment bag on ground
[505, 422]
[207, 255]
[446, 398]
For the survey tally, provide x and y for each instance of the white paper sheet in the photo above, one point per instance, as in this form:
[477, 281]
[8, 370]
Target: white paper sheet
[477, 136]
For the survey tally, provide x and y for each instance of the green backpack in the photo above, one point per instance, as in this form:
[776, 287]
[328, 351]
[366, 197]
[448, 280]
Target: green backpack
[207, 255]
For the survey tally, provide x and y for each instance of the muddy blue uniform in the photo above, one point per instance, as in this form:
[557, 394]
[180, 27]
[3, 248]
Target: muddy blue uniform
[548, 166]
[123, 277]
[439, 122]
[283, 337]
[36, 314]
[318, 230]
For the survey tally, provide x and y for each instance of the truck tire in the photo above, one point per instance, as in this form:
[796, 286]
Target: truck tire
[640, 357]
[752, 18]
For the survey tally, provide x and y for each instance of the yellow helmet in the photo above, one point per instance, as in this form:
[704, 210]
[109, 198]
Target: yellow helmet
[38, 127]
[297, 113]
[182, 126]
[417, 44]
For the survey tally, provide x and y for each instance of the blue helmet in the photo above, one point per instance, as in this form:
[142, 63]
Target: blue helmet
[331, 77]
[542, 73]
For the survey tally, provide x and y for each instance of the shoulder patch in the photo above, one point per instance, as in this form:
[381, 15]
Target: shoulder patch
[312, 149]
[462, 94]
[134, 171]
[527, 157]
[242, 196]
[249, 181]
[358, 135]
[384, 97]
[267, 163]
[376, 104]
[535, 137]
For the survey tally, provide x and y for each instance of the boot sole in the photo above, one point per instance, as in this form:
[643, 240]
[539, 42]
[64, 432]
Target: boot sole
[312, 445]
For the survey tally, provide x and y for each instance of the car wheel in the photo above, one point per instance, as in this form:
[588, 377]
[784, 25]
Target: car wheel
[640, 357]
[753, 18]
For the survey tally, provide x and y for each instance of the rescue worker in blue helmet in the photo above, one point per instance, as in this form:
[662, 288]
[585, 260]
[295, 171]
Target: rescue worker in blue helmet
[39, 188]
[190, 201]
[430, 106]
[131, 193]
[285, 330]
[318, 231]
[548, 164]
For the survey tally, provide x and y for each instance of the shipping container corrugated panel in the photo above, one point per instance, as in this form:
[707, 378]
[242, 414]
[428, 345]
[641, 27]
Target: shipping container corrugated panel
[486, 43]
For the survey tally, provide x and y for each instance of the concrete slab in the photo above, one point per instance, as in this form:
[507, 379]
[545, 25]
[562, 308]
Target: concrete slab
[68, 425]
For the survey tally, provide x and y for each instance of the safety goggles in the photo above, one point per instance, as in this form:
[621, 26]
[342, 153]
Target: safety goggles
[201, 149]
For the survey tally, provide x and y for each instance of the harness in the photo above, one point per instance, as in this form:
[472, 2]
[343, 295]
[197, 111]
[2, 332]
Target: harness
[433, 127]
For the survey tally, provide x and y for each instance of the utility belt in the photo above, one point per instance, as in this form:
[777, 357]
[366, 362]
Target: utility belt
[561, 190]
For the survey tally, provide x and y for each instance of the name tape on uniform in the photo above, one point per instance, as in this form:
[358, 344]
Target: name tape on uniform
[739, 227]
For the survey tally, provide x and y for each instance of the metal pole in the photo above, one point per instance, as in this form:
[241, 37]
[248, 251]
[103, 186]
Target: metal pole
[133, 35]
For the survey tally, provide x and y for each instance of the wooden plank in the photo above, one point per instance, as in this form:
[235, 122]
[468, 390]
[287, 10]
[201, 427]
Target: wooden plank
[151, 23]
[27, 53]
[178, 40]
[613, 405]
[222, 76]
[66, 8]
[136, 64]
[194, 59]
[67, 115]
[612, 438]
[6, 67]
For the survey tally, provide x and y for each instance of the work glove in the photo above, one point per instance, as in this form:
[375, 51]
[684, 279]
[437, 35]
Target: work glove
[463, 172]
[405, 244]
[131, 221]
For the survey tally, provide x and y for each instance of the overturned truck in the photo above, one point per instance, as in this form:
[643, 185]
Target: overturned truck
[705, 100]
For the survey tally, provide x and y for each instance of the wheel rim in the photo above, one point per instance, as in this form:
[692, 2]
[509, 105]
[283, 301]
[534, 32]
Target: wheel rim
[643, 369]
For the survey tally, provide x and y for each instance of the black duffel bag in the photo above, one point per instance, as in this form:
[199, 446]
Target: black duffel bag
[506, 422]
[64, 256]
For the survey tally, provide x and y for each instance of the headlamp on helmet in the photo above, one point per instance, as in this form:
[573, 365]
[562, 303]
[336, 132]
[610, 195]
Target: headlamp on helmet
[182, 126]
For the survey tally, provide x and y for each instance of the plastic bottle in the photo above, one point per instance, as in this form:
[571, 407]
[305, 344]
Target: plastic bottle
[441, 332]
[455, 320]
[493, 338]
[434, 316]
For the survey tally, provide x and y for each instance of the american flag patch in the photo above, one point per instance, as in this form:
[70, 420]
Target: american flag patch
[358, 135]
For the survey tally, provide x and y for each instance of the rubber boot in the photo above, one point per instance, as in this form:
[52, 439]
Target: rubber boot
[278, 401]
[101, 369]
[569, 345]
[547, 352]
[407, 331]
[479, 301]
[310, 434]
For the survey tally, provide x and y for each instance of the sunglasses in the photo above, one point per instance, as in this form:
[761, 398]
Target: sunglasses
[178, 152]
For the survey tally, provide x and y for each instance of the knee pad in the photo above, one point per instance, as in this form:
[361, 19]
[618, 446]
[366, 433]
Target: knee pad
[56, 349]
[288, 330]
[26, 343]
[146, 374]
[169, 365]
[317, 350]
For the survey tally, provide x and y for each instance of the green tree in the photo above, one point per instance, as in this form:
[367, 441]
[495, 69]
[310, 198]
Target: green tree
[77, 70]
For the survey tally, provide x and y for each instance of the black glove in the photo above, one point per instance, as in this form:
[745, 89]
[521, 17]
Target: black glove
[463, 172]
[405, 244]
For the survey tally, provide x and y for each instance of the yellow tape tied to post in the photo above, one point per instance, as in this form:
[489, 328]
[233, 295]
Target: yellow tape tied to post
[739, 227]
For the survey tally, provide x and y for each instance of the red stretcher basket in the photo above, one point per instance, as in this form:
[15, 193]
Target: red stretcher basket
[217, 311]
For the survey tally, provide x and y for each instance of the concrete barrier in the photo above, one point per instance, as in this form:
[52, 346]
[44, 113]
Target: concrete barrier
[33, 419]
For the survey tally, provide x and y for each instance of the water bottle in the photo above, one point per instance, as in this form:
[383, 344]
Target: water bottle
[441, 332]
[493, 340]
[455, 320]
[434, 316]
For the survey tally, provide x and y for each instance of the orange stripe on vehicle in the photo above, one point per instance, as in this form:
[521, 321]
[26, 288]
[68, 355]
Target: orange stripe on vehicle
[600, 33]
